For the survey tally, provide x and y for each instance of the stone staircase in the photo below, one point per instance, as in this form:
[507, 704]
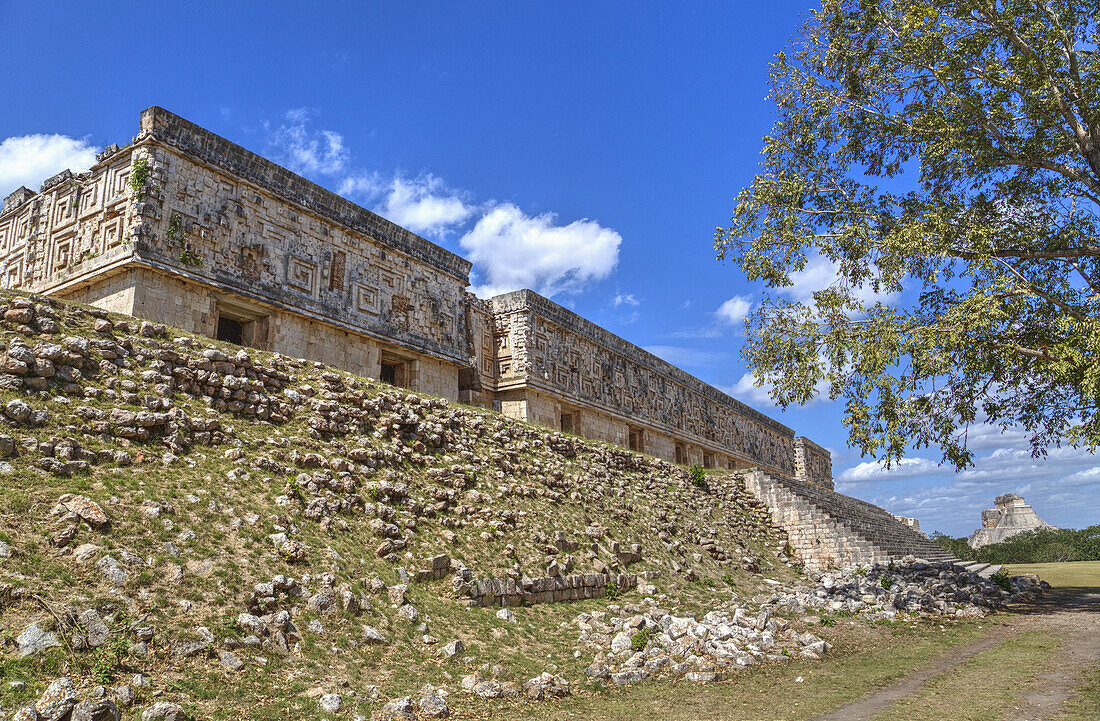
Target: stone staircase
[829, 530]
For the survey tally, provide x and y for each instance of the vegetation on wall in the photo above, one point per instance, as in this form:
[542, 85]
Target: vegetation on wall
[138, 175]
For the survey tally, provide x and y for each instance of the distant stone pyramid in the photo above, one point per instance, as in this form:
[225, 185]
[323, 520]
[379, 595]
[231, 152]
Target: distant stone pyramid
[1008, 517]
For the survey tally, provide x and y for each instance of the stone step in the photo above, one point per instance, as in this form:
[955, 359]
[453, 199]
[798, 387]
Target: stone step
[985, 570]
[829, 528]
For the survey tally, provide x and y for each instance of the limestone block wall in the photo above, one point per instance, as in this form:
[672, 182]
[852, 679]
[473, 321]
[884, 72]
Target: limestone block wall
[615, 385]
[813, 463]
[213, 230]
[549, 589]
[232, 218]
[184, 227]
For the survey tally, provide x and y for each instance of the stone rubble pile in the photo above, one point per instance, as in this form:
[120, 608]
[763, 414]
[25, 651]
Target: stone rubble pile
[654, 643]
[911, 586]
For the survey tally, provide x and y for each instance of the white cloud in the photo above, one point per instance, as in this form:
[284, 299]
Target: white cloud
[686, 305]
[1064, 487]
[424, 204]
[510, 249]
[874, 471]
[30, 159]
[821, 273]
[304, 150]
[680, 356]
[734, 310]
[748, 391]
[515, 250]
[626, 299]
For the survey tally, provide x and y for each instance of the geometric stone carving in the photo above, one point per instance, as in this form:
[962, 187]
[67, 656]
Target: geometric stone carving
[301, 275]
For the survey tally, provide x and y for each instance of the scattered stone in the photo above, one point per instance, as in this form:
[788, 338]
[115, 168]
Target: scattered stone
[372, 637]
[546, 685]
[164, 711]
[452, 649]
[96, 710]
[399, 709]
[35, 639]
[57, 701]
[331, 703]
[434, 705]
[88, 510]
[113, 571]
[96, 630]
[230, 661]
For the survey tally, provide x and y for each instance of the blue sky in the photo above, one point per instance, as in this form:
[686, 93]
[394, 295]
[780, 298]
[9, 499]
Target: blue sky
[586, 150]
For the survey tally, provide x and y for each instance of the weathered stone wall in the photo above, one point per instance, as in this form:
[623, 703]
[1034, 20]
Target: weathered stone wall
[813, 463]
[610, 385]
[302, 247]
[73, 228]
[217, 230]
[549, 589]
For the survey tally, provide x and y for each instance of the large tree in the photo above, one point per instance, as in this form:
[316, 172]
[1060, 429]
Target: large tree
[946, 154]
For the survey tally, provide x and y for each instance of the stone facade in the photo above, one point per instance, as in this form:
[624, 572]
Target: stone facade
[558, 369]
[1008, 517]
[186, 228]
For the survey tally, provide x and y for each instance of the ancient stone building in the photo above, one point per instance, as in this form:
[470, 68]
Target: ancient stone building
[184, 227]
[1008, 517]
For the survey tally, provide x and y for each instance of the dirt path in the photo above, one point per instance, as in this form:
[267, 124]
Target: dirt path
[1077, 617]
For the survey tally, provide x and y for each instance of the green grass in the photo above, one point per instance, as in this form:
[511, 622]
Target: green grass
[865, 658]
[983, 687]
[1085, 705]
[1073, 577]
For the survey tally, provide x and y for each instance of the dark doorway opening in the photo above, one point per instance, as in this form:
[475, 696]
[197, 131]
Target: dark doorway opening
[394, 371]
[636, 440]
[680, 455]
[230, 330]
[567, 423]
[389, 373]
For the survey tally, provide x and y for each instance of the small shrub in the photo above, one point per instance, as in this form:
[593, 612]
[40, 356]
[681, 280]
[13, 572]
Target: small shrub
[1002, 579]
[611, 591]
[641, 639]
[828, 621]
[886, 582]
[698, 477]
[188, 258]
[138, 176]
[107, 661]
[175, 226]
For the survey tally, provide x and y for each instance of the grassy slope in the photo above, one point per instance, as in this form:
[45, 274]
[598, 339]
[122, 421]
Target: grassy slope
[528, 494]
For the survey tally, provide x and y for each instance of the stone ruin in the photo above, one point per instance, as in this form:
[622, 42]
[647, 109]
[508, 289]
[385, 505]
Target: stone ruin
[185, 228]
[1008, 517]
